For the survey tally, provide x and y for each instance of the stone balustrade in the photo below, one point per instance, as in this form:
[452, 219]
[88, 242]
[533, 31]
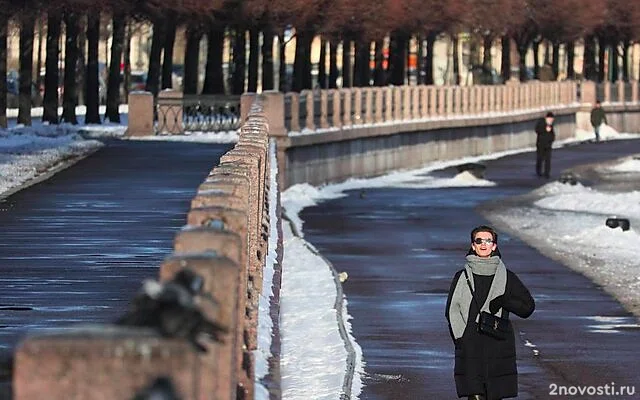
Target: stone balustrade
[314, 110]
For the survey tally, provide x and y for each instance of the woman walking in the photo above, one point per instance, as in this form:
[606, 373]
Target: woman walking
[482, 296]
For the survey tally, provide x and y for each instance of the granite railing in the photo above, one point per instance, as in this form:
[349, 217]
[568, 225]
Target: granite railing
[313, 110]
[224, 242]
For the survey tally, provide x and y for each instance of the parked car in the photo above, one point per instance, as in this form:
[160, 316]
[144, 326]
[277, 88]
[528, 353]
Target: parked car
[138, 81]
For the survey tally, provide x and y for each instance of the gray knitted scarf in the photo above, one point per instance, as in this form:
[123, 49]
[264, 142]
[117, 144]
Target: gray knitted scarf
[461, 300]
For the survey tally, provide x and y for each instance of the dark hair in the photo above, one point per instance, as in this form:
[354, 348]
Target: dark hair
[549, 114]
[494, 235]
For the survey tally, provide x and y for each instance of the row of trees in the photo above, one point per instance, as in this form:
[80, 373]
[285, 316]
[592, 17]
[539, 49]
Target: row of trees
[375, 33]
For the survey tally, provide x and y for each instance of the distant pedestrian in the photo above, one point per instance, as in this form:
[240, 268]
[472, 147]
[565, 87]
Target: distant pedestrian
[545, 137]
[598, 117]
[485, 365]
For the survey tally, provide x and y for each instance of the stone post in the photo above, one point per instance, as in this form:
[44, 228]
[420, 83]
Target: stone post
[246, 101]
[607, 92]
[324, 108]
[368, 105]
[433, 101]
[357, 106]
[388, 97]
[449, 105]
[295, 111]
[588, 93]
[621, 96]
[336, 121]
[346, 94]
[309, 121]
[397, 103]
[442, 93]
[273, 107]
[415, 102]
[379, 92]
[140, 114]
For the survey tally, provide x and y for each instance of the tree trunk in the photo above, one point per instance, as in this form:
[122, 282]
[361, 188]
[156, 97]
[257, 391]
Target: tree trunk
[379, 75]
[26, 70]
[547, 53]
[267, 59]
[522, 62]
[126, 62]
[420, 60]
[82, 60]
[167, 60]
[298, 63]
[70, 95]
[157, 43]
[456, 60]
[192, 60]
[239, 61]
[555, 64]
[397, 58]
[589, 61]
[614, 62]
[486, 53]
[214, 76]
[254, 59]
[51, 78]
[361, 69]
[93, 83]
[3, 70]
[505, 64]
[570, 50]
[283, 84]
[601, 59]
[333, 65]
[625, 60]
[39, 53]
[536, 60]
[347, 63]
[428, 66]
[322, 65]
[307, 82]
[113, 87]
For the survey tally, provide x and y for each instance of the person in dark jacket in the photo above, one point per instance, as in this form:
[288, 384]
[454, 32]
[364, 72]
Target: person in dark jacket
[598, 118]
[485, 367]
[545, 137]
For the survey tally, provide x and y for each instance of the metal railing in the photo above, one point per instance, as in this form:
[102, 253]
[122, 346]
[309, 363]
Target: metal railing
[196, 113]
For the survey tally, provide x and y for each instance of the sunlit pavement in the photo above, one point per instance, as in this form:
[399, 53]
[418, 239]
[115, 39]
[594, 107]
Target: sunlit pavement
[401, 248]
[75, 248]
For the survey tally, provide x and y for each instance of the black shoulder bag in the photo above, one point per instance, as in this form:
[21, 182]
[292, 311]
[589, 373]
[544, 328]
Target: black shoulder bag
[489, 324]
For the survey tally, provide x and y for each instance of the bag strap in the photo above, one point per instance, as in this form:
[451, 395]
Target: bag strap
[473, 295]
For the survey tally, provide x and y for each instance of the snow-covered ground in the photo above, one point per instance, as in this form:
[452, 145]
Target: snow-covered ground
[314, 358]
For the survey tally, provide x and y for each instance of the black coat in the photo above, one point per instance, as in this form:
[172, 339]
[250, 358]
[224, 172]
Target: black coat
[481, 360]
[544, 139]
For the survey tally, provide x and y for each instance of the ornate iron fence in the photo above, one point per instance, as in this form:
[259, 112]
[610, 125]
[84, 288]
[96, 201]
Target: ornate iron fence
[178, 114]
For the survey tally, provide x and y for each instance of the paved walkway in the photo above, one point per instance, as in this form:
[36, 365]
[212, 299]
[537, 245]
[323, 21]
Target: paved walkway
[76, 247]
[401, 248]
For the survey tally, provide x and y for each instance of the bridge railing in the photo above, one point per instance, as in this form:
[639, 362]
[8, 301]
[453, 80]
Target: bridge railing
[313, 110]
[224, 242]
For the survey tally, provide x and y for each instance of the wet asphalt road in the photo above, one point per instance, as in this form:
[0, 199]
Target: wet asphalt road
[401, 247]
[76, 247]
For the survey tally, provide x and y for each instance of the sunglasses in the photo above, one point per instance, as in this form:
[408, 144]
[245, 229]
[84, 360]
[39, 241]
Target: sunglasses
[488, 241]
